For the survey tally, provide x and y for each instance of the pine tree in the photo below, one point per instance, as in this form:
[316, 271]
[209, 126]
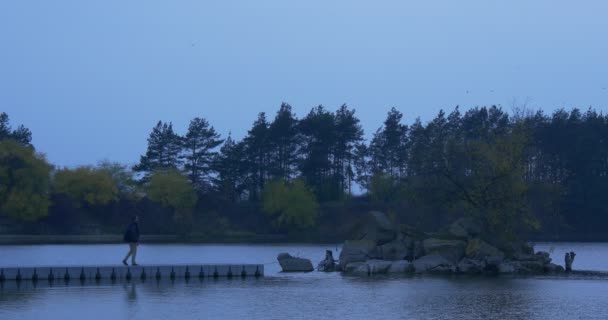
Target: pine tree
[164, 147]
[230, 166]
[348, 134]
[388, 148]
[257, 154]
[22, 134]
[318, 132]
[283, 142]
[198, 153]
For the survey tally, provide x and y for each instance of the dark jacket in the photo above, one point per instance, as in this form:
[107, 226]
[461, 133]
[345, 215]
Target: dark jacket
[132, 233]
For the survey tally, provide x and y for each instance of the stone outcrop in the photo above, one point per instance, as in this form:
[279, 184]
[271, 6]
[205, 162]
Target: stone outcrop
[452, 250]
[433, 263]
[401, 267]
[383, 249]
[329, 263]
[478, 249]
[376, 227]
[465, 228]
[290, 263]
[357, 251]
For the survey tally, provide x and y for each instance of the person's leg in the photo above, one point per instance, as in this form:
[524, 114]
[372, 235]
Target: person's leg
[133, 252]
[128, 254]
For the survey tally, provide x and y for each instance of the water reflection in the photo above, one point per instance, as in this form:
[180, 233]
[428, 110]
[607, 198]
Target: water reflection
[305, 296]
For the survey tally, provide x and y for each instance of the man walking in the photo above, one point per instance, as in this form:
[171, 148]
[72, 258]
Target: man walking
[132, 238]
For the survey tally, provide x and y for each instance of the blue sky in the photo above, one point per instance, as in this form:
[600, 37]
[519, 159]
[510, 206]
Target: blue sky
[91, 78]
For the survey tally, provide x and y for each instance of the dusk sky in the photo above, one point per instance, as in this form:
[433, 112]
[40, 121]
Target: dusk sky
[91, 78]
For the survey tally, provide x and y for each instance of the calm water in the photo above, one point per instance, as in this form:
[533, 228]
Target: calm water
[295, 296]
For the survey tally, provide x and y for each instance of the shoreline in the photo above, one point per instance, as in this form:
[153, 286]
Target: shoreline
[37, 239]
[21, 239]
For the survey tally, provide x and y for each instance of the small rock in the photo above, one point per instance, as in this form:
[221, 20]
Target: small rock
[328, 264]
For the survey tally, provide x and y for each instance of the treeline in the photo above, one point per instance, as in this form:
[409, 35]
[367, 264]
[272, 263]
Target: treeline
[309, 177]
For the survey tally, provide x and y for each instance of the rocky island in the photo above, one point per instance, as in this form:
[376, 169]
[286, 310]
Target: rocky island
[380, 247]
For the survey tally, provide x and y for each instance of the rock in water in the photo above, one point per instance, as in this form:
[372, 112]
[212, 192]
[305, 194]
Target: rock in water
[470, 266]
[394, 250]
[290, 263]
[433, 263]
[328, 264]
[357, 251]
[375, 226]
[378, 266]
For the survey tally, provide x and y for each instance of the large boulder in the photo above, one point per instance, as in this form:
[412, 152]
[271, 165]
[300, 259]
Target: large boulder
[368, 268]
[492, 263]
[465, 228]
[478, 249]
[290, 263]
[452, 250]
[378, 266]
[353, 266]
[470, 266]
[433, 263]
[360, 269]
[394, 250]
[553, 268]
[357, 251]
[374, 226]
[401, 266]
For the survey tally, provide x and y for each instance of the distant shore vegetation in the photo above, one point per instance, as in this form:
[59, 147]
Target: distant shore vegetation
[524, 173]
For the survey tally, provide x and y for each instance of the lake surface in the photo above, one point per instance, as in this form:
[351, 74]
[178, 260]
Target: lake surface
[296, 296]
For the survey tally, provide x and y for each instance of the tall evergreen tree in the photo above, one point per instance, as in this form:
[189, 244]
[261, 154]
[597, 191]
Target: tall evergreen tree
[388, 148]
[198, 153]
[283, 142]
[231, 168]
[22, 134]
[318, 132]
[348, 134]
[164, 147]
[257, 154]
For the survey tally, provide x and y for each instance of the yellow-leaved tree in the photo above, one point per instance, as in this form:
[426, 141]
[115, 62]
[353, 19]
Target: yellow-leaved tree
[292, 204]
[24, 181]
[86, 185]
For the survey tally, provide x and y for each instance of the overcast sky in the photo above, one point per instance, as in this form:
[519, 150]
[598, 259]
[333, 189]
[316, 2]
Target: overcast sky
[91, 78]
